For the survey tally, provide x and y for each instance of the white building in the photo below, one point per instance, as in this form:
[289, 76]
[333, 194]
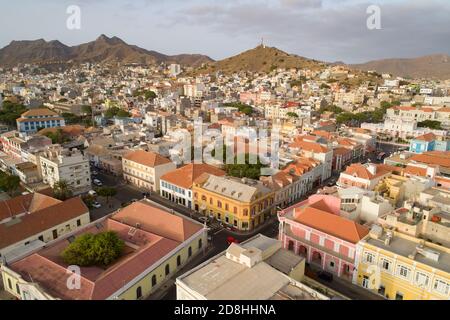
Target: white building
[257, 269]
[58, 164]
[176, 185]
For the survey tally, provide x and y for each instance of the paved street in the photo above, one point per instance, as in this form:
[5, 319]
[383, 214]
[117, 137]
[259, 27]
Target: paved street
[126, 193]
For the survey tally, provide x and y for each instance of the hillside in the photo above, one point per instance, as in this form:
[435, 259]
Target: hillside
[102, 50]
[260, 59]
[433, 66]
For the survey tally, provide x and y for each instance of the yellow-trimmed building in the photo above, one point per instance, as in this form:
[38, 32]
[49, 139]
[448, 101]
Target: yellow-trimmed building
[401, 267]
[241, 203]
[157, 244]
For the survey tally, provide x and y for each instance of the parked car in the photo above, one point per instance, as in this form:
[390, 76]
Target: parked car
[92, 193]
[324, 275]
[97, 182]
[94, 173]
[96, 205]
[231, 240]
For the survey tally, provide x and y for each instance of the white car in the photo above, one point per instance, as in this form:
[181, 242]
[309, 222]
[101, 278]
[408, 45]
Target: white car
[96, 205]
[97, 182]
[92, 193]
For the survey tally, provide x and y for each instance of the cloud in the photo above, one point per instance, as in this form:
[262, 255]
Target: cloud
[409, 28]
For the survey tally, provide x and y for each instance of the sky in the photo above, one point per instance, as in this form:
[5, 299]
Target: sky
[328, 30]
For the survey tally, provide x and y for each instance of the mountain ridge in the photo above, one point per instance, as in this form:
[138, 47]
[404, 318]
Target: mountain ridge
[428, 66]
[103, 49]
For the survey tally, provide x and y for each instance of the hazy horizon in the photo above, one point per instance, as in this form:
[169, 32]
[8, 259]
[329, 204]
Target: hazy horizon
[326, 30]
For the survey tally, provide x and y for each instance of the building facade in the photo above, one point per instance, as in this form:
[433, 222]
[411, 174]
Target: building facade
[37, 119]
[144, 169]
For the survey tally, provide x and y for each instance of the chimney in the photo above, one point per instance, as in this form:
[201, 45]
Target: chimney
[372, 168]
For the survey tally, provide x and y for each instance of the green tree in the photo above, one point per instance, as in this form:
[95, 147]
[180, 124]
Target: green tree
[247, 170]
[106, 192]
[100, 249]
[9, 183]
[10, 112]
[123, 114]
[292, 115]
[244, 108]
[86, 110]
[432, 124]
[62, 190]
[71, 118]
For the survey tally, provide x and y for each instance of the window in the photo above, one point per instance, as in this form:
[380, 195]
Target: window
[167, 269]
[219, 204]
[245, 212]
[41, 238]
[200, 243]
[9, 284]
[332, 264]
[226, 206]
[17, 288]
[154, 280]
[422, 279]
[403, 272]
[138, 293]
[441, 286]
[385, 264]
[190, 252]
[369, 257]
[178, 261]
[399, 296]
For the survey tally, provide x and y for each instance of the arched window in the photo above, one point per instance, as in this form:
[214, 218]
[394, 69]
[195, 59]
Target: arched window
[167, 269]
[190, 252]
[200, 243]
[178, 261]
[154, 280]
[219, 204]
[138, 293]
[203, 198]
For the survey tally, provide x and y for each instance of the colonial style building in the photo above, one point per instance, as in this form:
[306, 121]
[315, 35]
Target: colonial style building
[243, 204]
[176, 185]
[36, 119]
[144, 169]
[315, 230]
[157, 244]
[29, 221]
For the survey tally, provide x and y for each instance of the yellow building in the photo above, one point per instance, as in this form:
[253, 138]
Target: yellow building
[157, 244]
[243, 204]
[402, 267]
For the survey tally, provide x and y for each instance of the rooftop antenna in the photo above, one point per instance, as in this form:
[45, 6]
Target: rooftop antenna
[262, 43]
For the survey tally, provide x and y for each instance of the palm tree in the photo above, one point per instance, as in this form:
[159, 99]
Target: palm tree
[62, 190]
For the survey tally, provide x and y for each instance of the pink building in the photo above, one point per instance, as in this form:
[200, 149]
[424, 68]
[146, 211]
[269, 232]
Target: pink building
[315, 230]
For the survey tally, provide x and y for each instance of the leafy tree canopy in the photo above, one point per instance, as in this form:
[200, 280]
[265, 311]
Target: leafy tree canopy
[100, 249]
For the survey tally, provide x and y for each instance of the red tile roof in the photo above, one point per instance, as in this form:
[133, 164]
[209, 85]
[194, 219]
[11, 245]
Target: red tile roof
[158, 221]
[43, 217]
[426, 137]
[331, 224]
[149, 159]
[184, 177]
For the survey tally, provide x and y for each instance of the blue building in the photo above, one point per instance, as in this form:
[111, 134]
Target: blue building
[36, 119]
[429, 142]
